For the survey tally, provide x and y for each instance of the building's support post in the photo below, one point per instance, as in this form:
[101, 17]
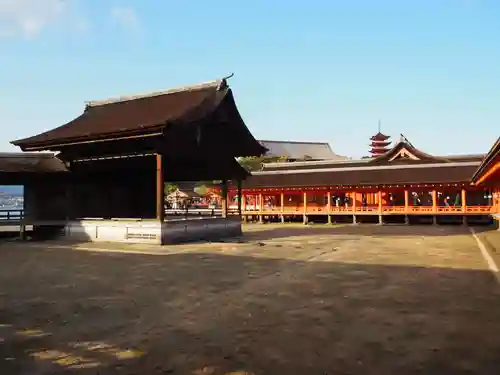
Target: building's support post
[160, 188]
[464, 200]
[304, 217]
[224, 198]
[434, 206]
[379, 197]
[239, 196]
[22, 226]
[282, 208]
[465, 220]
[329, 206]
[407, 199]
[261, 202]
[354, 196]
[244, 206]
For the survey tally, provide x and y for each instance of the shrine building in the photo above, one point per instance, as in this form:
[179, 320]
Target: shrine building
[403, 184]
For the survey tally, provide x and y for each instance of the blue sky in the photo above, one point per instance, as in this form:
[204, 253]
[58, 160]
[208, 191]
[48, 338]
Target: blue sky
[304, 70]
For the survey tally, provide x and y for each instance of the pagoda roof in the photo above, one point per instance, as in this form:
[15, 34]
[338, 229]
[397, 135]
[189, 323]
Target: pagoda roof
[380, 137]
[153, 114]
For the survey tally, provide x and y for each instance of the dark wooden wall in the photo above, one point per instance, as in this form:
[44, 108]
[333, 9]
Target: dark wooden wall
[100, 189]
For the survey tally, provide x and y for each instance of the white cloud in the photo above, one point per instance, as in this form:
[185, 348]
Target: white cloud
[125, 16]
[29, 17]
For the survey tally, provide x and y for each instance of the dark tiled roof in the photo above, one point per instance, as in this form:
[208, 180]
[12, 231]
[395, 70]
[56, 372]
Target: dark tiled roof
[150, 114]
[301, 150]
[380, 137]
[465, 157]
[30, 163]
[320, 164]
[384, 159]
[365, 175]
[488, 159]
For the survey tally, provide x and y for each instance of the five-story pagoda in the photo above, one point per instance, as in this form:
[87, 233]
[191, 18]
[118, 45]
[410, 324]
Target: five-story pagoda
[379, 143]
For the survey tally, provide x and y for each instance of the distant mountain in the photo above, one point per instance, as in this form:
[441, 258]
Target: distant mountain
[11, 190]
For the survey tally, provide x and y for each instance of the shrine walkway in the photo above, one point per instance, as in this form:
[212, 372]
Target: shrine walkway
[284, 300]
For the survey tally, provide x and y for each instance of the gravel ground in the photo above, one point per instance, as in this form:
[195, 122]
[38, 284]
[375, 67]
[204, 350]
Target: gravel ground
[284, 300]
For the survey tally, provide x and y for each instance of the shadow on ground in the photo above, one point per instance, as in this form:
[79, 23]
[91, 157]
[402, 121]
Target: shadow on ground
[199, 313]
[262, 232]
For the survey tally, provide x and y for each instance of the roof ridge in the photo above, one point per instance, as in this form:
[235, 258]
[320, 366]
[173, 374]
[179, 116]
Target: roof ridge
[214, 83]
[297, 142]
[369, 167]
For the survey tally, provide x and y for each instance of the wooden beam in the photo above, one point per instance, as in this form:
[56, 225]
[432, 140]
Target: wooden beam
[160, 188]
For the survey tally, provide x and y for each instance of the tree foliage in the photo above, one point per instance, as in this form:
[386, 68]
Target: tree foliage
[170, 188]
[254, 163]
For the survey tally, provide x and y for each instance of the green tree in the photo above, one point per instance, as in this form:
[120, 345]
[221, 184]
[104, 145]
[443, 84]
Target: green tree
[254, 163]
[170, 188]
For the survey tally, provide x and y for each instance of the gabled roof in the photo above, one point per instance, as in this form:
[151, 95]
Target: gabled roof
[150, 114]
[493, 153]
[405, 150]
[300, 150]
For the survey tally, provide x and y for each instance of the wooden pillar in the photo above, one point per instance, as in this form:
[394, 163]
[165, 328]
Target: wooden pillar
[379, 197]
[354, 196]
[407, 219]
[238, 182]
[282, 206]
[464, 200]
[305, 208]
[329, 205]
[434, 206]
[224, 198]
[434, 200]
[244, 206]
[160, 188]
[261, 201]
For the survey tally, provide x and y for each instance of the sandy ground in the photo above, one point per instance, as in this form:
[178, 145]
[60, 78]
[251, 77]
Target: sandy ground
[285, 300]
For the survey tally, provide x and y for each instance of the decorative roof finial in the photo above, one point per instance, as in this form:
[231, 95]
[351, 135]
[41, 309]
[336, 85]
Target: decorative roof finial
[379, 126]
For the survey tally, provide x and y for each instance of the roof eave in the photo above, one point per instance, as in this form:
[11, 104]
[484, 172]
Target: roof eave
[492, 153]
[114, 136]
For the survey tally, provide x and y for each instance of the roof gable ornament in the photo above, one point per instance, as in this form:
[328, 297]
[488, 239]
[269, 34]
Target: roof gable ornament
[403, 153]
